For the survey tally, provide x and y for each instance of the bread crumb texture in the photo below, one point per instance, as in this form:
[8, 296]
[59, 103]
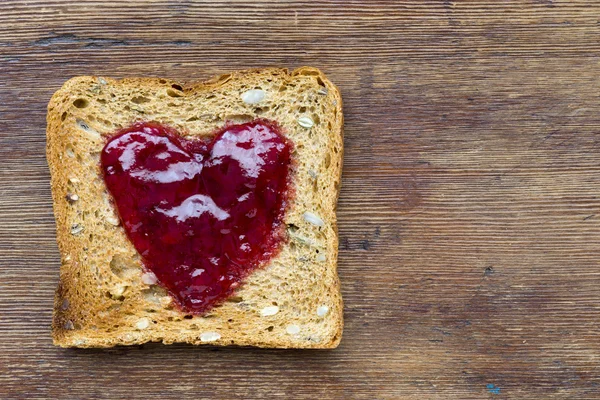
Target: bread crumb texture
[105, 298]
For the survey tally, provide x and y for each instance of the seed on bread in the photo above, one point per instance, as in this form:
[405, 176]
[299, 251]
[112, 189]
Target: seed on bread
[91, 132]
[82, 125]
[292, 329]
[142, 324]
[313, 219]
[76, 229]
[322, 311]
[306, 122]
[117, 291]
[112, 219]
[165, 301]
[72, 197]
[269, 311]
[210, 336]
[95, 89]
[301, 239]
[149, 278]
[253, 96]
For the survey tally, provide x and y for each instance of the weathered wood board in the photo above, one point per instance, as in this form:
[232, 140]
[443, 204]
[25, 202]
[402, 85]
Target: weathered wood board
[470, 208]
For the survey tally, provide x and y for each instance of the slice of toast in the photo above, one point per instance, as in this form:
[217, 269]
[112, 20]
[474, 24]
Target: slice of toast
[103, 300]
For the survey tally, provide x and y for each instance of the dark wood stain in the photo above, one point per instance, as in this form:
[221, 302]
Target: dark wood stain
[469, 252]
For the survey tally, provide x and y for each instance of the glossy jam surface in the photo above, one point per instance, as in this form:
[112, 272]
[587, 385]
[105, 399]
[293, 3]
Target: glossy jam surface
[202, 214]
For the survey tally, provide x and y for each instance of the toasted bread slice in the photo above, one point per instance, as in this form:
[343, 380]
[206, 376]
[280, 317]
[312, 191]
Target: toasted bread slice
[102, 299]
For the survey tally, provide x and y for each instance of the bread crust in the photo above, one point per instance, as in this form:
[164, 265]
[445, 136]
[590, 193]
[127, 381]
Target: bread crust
[101, 300]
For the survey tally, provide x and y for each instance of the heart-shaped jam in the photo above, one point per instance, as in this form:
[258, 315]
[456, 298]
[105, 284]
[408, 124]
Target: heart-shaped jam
[202, 214]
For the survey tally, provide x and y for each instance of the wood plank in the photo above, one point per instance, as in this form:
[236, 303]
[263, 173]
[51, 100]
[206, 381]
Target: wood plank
[469, 213]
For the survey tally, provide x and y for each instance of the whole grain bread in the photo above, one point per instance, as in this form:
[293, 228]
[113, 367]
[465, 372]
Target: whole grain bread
[103, 300]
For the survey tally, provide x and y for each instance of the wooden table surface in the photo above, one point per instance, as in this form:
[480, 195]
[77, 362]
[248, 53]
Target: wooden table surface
[469, 216]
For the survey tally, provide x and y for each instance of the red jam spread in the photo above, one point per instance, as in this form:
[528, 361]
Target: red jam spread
[202, 214]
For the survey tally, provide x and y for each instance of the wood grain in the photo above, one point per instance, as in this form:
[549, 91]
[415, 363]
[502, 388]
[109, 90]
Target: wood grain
[469, 214]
